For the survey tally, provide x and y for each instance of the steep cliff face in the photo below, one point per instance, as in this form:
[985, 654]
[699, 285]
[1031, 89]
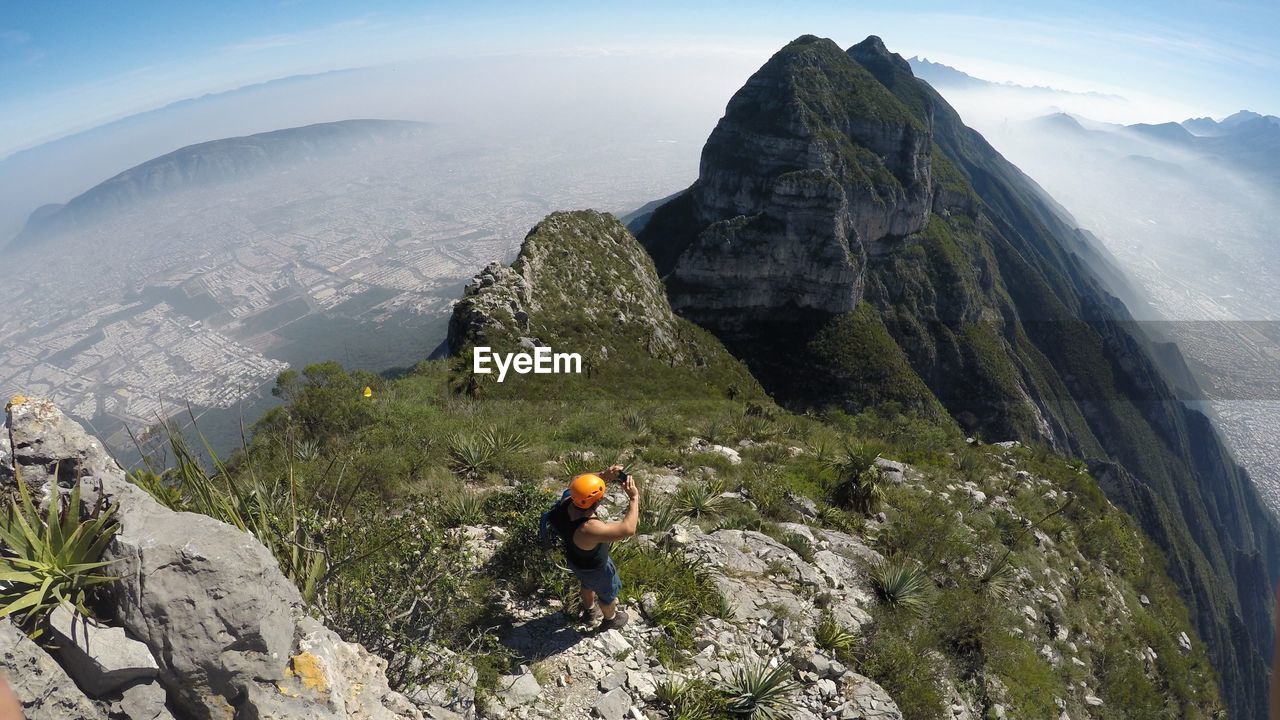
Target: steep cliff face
[967, 290]
[542, 299]
[812, 165]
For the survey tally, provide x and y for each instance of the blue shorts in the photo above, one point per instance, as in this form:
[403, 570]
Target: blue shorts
[603, 581]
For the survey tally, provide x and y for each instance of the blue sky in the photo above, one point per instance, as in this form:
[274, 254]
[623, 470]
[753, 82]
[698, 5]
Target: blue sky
[68, 66]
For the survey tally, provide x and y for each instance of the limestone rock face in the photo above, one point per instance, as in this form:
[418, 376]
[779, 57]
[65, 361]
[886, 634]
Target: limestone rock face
[541, 300]
[43, 688]
[226, 628]
[812, 165]
[100, 658]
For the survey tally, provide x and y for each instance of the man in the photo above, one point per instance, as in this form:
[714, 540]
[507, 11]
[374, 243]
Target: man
[586, 541]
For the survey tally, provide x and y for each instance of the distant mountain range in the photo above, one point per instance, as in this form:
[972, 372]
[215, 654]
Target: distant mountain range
[216, 161]
[1245, 141]
[63, 168]
[940, 76]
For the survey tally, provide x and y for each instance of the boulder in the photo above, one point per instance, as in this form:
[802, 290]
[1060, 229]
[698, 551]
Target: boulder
[48, 446]
[1184, 643]
[101, 659]
[891, 467]
[208, 599]
[867, 700]
[751, 553]
[43, 688]
[227, 629]
[732, 455]
[515, 690]
[143, 701]
[613, 705]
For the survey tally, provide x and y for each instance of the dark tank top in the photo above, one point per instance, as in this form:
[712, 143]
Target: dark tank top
[565, 527]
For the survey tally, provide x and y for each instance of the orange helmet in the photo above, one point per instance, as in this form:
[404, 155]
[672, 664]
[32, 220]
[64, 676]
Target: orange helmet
[586, 490]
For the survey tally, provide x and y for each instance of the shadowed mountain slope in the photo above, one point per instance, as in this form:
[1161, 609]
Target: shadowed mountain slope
[859, 246]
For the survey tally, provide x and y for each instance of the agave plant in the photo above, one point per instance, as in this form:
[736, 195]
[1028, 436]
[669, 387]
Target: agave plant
[758, 691]
[1000, 579]
[861, 492]
[470, 455]
[463, 508]
[699, 500]
[688, 699]
[901, 585]
[50, 559]
[636, 423]
[576, 463]
[306, 450]
[833, 638]
[854, 458]
[659, 517]
[713, 432]
[504, 443]
[160, 487]
[756, 427]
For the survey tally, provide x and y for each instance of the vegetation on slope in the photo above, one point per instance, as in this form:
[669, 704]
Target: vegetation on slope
[377, 485]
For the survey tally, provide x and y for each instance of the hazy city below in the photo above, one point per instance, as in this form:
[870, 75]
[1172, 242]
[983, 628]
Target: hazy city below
[203, 294]
[200, 295]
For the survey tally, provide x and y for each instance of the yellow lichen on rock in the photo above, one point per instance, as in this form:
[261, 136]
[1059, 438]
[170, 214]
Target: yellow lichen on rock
[14, 402]
[309, 670]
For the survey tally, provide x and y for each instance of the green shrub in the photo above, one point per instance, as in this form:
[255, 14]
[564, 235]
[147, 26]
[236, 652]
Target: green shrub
[50, 559]
[758, 691]
[684, 593]
[463, 507]
[898, 656]
[520, 560]
[902, 585]
[833, 638]
[700, 500]
[401, 597]
[689, 699]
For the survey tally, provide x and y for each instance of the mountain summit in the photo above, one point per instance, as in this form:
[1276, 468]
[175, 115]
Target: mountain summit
[860, 247]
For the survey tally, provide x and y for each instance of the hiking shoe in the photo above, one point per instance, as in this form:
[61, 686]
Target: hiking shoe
[619, 620]
[590, 614]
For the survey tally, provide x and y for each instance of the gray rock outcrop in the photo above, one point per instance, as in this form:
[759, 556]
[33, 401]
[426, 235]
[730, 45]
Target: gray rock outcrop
[42, 686]
[539, 298]
[226, 628]
[794, 192]
[100, 658]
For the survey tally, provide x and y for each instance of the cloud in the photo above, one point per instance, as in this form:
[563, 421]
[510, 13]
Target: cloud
[12, 38]
[302, 37]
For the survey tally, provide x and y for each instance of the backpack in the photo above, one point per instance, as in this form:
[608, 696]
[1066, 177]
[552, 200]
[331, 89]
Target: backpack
[548, 537]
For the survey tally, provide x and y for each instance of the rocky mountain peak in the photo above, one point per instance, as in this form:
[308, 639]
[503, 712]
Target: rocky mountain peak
[812, 165]
[580, 278]
[872, 51]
